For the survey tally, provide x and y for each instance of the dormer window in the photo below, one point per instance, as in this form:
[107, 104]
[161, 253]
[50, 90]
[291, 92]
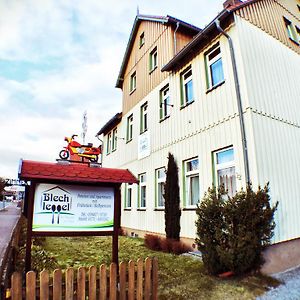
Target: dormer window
[142, 39]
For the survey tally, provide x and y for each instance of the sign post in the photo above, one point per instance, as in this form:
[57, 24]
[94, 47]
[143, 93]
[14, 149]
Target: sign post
[72, 206]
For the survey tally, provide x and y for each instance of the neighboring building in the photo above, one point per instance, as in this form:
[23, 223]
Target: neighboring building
[182, 94]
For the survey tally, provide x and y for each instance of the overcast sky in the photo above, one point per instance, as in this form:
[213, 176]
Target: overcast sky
[59, 58]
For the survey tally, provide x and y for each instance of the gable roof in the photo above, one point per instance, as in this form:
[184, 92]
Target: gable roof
[168, 20]
[113, 122]
[204, 36]
[73, 172]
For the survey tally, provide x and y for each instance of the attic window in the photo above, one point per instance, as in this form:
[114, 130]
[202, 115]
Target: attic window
[290, 30]
[142, 39]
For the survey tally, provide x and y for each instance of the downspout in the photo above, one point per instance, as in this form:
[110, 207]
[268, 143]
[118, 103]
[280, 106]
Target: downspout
[175, 40]
[239, 101]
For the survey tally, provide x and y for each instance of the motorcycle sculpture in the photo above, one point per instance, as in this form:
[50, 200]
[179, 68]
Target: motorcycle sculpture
[83, 151]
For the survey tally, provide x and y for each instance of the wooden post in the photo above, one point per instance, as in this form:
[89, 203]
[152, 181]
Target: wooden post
[117, 222]
[29, 227]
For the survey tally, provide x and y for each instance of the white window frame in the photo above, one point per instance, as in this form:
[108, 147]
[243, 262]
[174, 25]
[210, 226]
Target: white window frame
[144, 117]
[108, 146]
[114, 139]
[132, 86]
[185, 79]
[222, 166]
[153, 60]
[160, 181]
[164, 102]
[128, 191]
[129, 128]
[187, 177]
[210, 62]
[142, 186]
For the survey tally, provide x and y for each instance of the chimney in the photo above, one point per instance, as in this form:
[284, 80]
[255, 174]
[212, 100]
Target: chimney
[228, 3]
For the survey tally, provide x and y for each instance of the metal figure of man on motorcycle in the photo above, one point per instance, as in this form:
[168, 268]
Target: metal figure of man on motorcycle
[83, 151]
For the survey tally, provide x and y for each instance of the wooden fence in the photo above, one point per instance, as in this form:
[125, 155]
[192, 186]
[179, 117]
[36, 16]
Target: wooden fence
[133, 281]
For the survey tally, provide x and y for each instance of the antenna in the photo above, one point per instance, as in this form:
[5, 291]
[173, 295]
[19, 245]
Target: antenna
[84, 126]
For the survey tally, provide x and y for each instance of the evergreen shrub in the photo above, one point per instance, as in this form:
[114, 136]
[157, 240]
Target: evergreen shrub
[233, 231]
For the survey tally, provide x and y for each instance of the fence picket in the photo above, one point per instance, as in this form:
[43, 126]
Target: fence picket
[103, 283]
[131, 280]
[113, 282]
[140, 275]
[44, 285]
[122, 270]
[57, 284]
[148, 273]
[30, 285]
[155, 278]
[81, 283]
[16, 286]
[69, 284]
[92, 282]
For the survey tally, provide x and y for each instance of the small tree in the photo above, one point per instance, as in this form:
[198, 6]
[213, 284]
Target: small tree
[2, 186]
[172, 200]
[232, 233]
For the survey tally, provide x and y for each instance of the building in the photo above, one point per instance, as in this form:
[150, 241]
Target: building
[223, 100]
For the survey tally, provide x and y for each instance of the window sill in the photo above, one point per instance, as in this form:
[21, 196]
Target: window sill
[114, 150]
[143, 131]
[187, 104]
[131, 92]
[215, 86]
[152, 70]
[159, 209]
[128, 141]
[128, 209]
[191, 208]
[165, 118]
[141, 209]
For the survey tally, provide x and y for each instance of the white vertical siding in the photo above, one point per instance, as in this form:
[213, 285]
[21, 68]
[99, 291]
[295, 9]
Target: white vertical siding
[271, 72]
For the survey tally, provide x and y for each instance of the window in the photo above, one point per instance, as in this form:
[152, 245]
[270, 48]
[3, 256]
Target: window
[114, 139]
[144, 121]
[132, 82]
[128, 196]
[214, 67]
[290, 30]
[142, 39]
[142, 190]
[298, 33]
[153, 59]
[164, 103]
[225, 170]
[160, 179]
[192, 191]
[186, 87]
[108, 146]
[129, 128]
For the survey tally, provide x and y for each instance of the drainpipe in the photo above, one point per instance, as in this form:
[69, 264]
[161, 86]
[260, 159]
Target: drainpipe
[239, 101]
[175, 41]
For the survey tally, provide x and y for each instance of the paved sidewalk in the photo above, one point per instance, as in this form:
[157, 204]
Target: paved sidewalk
[8, 220]
[289, 290]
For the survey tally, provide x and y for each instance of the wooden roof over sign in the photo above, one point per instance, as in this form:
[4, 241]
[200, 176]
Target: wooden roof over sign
[73, 172]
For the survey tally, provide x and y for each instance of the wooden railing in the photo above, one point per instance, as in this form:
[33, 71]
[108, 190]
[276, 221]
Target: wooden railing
[133, 281]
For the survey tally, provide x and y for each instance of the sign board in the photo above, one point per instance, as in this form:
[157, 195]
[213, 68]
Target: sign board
[144, 145]
[11, 182]
[69, 208]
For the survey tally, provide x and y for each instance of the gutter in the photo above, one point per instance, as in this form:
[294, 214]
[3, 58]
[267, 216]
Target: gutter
[239, 101]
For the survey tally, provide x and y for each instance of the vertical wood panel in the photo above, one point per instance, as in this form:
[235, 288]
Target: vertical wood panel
[131, 280]
[44, 285]
[140, 270]
[69, 284]
[92, 282]
[57, 284]
[16, 286]
[122, 270]
[103, 283]
[81, 283]
[155, 279]
[113, 282]
[148, 278]
[30, 285]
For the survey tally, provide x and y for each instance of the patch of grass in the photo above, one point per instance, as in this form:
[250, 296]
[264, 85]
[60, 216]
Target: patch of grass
[180, 277]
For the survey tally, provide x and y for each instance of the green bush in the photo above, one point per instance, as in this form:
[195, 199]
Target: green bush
[232, 232]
